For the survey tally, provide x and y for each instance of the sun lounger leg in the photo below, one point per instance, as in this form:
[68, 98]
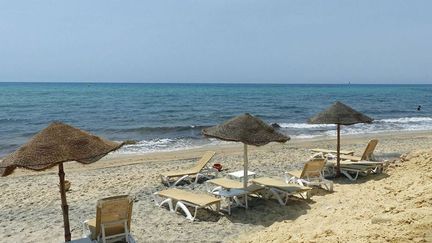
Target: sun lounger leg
[195, 213]
[218, 207]
[300, 182]
[196, 179]
[277, 196]
[167, 201]
[241, 204]
[304, 195]
[378, 170]
[329, 185]
[349, 176]
[185, 210]
[205, 175]
[160, 202]
[286, 199]
[179, 180]
[198, 176]
[237, 201]
[308, 195]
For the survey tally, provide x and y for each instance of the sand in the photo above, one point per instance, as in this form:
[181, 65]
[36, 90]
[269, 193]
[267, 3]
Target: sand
[394, 206]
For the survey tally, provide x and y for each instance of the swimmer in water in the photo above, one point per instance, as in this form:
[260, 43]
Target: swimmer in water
[419, 108]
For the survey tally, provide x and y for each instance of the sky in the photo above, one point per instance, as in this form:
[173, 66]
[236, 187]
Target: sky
[217, 41]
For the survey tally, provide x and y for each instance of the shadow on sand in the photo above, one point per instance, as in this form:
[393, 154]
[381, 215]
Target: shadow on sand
[270, 211]
[361, 179]
[260, 212]
[387, 156]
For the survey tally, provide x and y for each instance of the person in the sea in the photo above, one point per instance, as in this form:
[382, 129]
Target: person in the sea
[419, 108]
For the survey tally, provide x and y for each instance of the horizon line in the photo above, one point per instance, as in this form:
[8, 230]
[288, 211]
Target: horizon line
[276, 83]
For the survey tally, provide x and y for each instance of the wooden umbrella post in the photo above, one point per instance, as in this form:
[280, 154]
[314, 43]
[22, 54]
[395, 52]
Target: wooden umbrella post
[65, 207]
[245, 175]
[338, 151]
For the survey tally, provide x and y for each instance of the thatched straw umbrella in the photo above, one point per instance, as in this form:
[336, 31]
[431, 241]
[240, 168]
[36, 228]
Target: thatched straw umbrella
[246, 129]
[339, 114]
[54, 145]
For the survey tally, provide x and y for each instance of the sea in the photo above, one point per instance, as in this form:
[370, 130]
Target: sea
[164, 117]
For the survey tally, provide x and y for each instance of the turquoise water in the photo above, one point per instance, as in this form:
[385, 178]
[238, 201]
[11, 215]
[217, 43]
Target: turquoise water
[170, 116]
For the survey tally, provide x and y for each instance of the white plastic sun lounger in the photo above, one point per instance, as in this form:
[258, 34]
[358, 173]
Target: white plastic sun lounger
[349, 155]
[282, 190]
[184, 199]
[200, 170]
[352, 169]
[311, 175]
[330, 151]
[367, 154]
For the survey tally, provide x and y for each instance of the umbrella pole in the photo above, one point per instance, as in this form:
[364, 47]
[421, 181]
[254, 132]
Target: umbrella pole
[65, 207]
[245, 158]
[338, 151]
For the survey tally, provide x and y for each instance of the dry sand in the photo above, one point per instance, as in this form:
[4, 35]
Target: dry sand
[394, 206]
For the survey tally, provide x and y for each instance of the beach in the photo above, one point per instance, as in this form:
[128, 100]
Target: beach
[215, 121]
[394, 206]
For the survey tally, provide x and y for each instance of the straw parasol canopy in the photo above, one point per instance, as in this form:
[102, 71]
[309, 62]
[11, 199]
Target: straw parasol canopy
[54, 145]
[339, 114]
[246, 129]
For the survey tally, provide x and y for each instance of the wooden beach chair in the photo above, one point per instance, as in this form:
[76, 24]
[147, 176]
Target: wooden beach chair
[231, 191]
[113, 220]
[200, 170]
[184, 199]
[282, 190]
[367, 154]
[311, 175]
